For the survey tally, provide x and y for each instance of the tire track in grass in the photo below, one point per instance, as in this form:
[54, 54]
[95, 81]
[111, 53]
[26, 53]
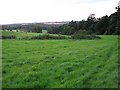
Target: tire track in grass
[96, 67]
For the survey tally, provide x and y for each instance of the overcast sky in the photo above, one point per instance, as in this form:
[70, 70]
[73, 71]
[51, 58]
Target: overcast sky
[28, 11]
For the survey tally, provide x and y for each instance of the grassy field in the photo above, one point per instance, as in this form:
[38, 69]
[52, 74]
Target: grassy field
[60, 63]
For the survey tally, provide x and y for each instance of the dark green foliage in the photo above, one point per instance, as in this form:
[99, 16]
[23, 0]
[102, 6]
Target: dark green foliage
[112, 23]
[85, 36]
[8, 37]
[118, 23]
[105, 25]
[46, 36]
[101, 26]
[37, 29]
[68, 30]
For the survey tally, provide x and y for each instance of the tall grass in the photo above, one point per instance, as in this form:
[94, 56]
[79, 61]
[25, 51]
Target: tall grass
[60, 63]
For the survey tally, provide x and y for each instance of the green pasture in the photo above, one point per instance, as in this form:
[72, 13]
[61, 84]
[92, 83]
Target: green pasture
[60, 63]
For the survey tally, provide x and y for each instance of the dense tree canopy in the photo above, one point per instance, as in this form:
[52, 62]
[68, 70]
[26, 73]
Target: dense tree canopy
[104, 25]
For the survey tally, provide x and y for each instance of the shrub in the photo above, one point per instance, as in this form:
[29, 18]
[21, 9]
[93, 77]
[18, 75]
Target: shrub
[85, 36]
[25, 38]
[45, 36]
[8, 37]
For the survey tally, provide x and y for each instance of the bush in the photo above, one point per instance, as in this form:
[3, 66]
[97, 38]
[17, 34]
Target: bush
[25, 38]
[8, 37]
[45, 36]
[85, 36]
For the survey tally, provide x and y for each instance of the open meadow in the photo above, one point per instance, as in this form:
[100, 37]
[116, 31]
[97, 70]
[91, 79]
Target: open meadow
[64, 44]
[60, 63]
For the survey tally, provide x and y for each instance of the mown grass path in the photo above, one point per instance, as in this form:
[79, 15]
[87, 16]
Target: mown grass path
[60, 63]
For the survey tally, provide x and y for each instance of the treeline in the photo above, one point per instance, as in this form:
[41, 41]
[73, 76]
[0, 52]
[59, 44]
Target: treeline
[106, 25]
[33, 27]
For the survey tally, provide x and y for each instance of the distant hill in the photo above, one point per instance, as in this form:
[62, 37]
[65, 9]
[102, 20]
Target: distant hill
[30, 27]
